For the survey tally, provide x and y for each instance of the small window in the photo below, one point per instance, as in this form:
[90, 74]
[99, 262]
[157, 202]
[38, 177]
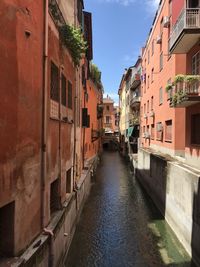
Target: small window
[169, 92]
[108, 108]
[161, 96]
[148, 81]
[69, 95]
[64, 94]
[159, 131]
[54, 196]
[152, 103]
[147, 106]
[152, 48]
[7, 220]
[195, 129]
[168, 131]
[152, 77]
[161, 61]
[152, 131]
[68, 181]
[107, 119]
[54, 94]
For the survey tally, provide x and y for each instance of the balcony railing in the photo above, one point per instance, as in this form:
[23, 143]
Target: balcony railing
[188, 19]
[185, 94]
[135, 81]
[135, 100]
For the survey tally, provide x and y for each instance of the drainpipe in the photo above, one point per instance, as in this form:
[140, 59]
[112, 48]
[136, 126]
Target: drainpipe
[59, 131]
[44, 114]
[75, 125]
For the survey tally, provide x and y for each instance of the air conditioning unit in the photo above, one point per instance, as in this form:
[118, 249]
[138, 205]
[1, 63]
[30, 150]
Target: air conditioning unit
[152, 114]
[159, 39]
[159, 127]
[166, 22]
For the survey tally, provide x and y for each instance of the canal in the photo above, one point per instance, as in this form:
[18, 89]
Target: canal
[120, 226]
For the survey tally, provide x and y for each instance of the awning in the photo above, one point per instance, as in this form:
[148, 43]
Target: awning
[130, 131]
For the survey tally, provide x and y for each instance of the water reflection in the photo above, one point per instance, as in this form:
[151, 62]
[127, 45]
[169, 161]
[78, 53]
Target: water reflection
[120, 225]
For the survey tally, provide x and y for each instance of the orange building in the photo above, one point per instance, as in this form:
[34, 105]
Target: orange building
[184, 38]
[43, 184]
[93, 97]
[161, 123]
[168, 163]
[110, 116]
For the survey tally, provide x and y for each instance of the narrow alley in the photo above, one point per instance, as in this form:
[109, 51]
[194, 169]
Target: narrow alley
[120, 226]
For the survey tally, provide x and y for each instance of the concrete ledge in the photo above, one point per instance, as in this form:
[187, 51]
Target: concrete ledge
[175, 189]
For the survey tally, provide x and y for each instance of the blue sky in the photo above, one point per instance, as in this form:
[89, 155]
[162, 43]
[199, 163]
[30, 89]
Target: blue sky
[120, 29]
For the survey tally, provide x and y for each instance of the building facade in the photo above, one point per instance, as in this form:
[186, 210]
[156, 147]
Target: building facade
[43, 180]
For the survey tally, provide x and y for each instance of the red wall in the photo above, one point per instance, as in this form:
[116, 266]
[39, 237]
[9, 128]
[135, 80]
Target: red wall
[21, 75]
[177, 6]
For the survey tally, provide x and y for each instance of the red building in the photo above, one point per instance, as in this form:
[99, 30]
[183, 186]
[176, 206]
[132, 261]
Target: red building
[42, 182]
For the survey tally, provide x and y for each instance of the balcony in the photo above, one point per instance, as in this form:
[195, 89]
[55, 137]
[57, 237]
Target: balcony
[134, 120]
[135, 101]
[135, 81]
[185, 93]
[186, 31]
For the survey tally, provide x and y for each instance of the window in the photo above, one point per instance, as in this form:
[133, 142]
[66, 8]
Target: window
[144, 108]
[64, 94]
[169, 92]
[193, 3]
[54, 93]
[152, 103]
[168, 131]
[7, 219]
[161, 61]
[68, 181]
[170, 8]
[196, 64]
[108, 108]
[54, 196]
[195, 129]
[107, 119]
[152, 71]
[147, 106]
[159, 131]
[152, 48]
[161, 96]
[69, 95]
[148, 81]
[152, 131]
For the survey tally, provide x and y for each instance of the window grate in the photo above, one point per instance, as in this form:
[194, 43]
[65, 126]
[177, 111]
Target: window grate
[54, 94]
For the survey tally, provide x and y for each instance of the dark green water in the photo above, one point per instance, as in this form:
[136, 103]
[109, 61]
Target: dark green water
[120, 226]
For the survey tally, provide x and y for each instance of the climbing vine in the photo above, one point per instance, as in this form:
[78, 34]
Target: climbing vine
[73, 39]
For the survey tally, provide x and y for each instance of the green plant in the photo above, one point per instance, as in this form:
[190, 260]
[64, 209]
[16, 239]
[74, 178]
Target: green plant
[73, 39]
[168, 87]
[95, 74]
[192, 78]
[178, 98]
[179, 78]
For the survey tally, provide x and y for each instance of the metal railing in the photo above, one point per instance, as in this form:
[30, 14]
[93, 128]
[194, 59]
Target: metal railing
[135, 99]
[188, 88]
[188, 19]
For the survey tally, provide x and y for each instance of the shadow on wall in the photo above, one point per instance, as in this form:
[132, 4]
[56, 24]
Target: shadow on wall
[152, 173]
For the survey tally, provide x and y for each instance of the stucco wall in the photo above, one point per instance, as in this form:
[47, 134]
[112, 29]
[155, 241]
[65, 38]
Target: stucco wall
[174, 187]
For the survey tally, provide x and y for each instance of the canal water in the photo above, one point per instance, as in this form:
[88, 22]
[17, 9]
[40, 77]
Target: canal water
[120, 226]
